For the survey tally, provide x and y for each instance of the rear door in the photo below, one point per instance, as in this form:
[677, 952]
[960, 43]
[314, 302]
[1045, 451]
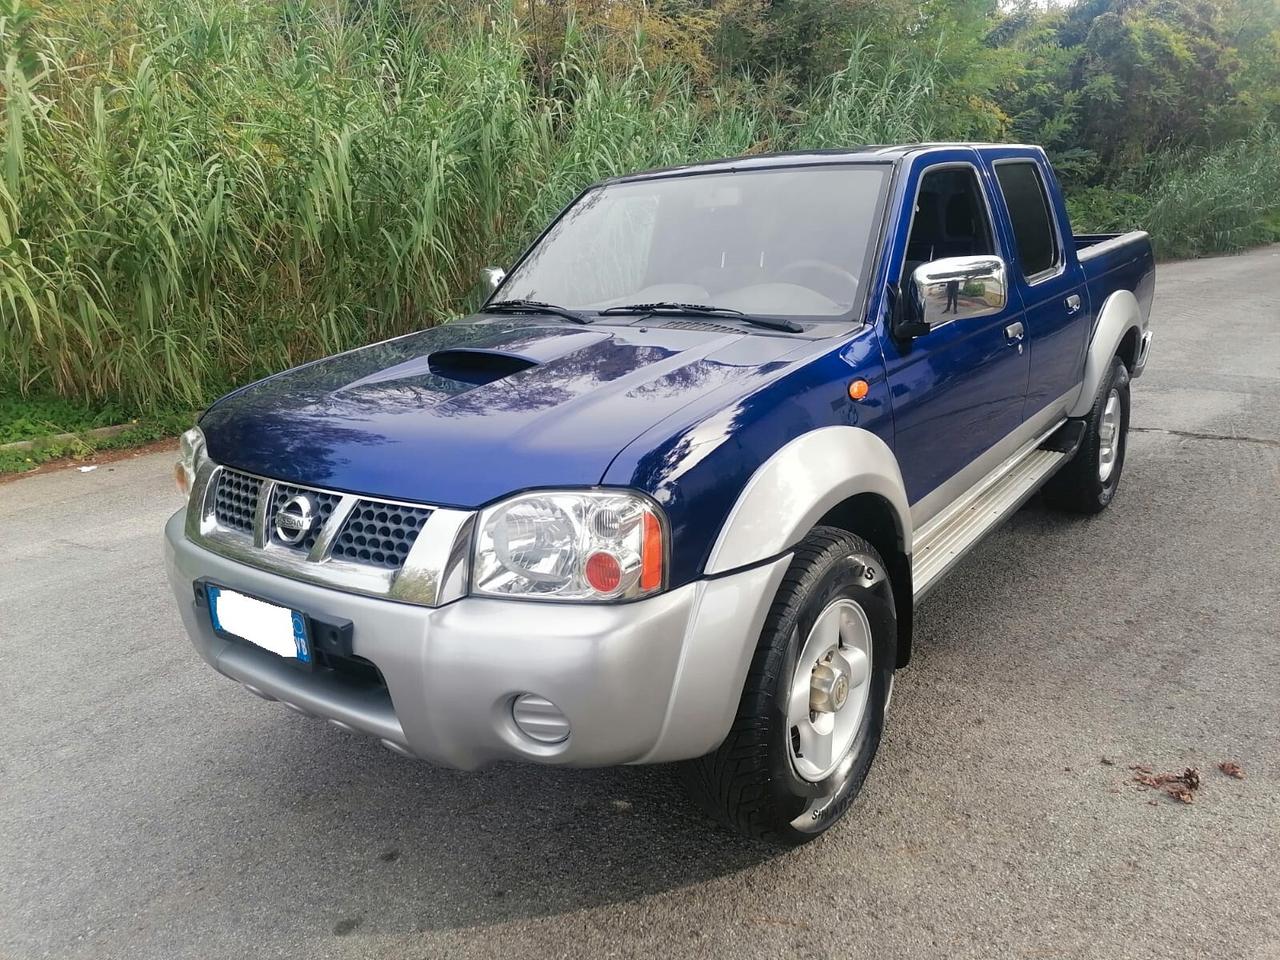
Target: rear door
[958, 390]
[1047, 274]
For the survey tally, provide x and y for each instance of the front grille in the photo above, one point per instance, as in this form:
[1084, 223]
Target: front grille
[379, 534]
[358, 544]
[236, 500]
[324, 506]
[374, 534]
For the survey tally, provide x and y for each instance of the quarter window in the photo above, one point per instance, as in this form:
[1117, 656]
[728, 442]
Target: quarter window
[1028, 204]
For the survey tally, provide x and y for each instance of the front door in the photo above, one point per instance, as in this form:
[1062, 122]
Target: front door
[958, 390]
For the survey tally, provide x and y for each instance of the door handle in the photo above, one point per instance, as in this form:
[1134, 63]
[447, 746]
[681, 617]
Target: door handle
[1073, 303]
[1015, 331]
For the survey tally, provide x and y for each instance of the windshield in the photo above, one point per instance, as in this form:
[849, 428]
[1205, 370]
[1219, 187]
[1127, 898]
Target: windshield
[789, 242]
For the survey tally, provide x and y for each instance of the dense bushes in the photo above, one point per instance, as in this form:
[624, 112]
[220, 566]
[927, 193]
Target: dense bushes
[1193, 205]
[1225, 201]
[195, 192]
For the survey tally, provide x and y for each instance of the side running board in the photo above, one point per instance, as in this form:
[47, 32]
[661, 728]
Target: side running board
[942, 543]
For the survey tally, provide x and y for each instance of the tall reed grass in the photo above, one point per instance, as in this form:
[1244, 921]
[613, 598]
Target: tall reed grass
[196, 192]
[1226, 201]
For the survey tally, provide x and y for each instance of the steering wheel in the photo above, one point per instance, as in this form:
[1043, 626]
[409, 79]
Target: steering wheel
[835, 284]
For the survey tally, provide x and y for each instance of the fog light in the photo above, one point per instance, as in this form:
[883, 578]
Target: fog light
[539, 719]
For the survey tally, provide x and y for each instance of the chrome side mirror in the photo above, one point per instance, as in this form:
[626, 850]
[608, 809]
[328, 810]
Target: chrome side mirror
[953, 288]
[492, 278]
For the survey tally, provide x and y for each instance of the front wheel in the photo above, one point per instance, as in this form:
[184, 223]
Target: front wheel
[1088, 483]
[811, 713]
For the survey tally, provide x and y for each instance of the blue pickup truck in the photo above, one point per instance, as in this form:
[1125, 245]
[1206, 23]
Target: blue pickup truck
[673, 493]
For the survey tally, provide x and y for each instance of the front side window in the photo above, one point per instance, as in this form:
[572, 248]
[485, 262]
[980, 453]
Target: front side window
[1029, 213]
[787, 241]
[950, 218]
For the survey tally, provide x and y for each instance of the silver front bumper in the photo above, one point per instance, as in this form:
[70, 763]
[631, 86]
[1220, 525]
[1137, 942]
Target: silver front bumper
[643, 682]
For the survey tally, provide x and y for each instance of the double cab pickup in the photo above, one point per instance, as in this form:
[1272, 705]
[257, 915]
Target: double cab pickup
[674, 491]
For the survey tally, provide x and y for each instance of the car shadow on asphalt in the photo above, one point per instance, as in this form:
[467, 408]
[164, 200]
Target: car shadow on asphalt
[396, 846]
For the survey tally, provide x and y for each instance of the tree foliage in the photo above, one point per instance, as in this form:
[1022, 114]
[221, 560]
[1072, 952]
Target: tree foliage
[1103, 83]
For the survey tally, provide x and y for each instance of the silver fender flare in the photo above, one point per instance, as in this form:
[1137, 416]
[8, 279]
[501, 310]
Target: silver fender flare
[802, 481]
[1120, 313]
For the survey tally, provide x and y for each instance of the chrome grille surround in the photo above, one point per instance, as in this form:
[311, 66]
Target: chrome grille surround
[431, 555]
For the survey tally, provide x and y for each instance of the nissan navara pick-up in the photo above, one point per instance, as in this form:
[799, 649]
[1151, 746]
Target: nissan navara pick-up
[673, 492]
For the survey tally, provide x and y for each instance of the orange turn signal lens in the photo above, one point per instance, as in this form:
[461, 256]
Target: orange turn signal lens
[651, 551]
[859, 389]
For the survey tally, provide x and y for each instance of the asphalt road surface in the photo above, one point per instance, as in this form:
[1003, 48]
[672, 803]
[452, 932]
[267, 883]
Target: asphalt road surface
[150, 808]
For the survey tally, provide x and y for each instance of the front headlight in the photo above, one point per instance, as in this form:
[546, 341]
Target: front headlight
[579, 545]
[191, 453]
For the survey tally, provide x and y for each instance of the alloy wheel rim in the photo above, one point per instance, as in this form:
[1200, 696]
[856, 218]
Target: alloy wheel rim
[1109, 437]
[830, 688]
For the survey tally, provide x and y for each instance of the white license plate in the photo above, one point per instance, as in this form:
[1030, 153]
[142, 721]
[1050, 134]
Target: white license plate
[266, 625]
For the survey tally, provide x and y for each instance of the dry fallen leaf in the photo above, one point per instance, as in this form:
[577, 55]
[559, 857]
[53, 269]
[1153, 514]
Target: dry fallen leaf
[1232, 769]
[1180, 786]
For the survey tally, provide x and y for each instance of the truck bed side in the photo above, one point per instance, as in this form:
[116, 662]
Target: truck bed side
[1117, 261]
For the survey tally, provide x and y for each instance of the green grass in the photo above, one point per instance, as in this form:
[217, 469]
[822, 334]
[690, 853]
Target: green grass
[1224, 202]
[146, 429]
[41, 418]
[30, 418]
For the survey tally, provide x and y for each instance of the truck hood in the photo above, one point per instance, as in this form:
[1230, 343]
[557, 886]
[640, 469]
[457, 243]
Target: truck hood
[464, 413]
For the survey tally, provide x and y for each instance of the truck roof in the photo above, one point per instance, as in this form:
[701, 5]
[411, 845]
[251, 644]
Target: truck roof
[883, 153]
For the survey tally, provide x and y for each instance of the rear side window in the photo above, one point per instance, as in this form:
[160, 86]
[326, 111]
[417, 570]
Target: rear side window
[1028, 203]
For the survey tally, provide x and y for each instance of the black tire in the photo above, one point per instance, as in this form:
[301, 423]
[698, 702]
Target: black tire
[1079, 487]
[750, 783]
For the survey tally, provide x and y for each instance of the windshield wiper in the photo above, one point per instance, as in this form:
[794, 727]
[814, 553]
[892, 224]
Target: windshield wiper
[703, 310]
[533, 306]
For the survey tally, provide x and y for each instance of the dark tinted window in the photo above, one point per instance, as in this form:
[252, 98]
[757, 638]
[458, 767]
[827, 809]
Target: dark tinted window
[950, 219]
[1028, 204]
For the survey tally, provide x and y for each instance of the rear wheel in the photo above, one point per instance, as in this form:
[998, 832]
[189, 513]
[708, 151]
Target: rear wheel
[813, 707]
[1088, 483]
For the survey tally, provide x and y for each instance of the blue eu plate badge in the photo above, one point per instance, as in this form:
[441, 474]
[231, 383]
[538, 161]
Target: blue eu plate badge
[278, 629]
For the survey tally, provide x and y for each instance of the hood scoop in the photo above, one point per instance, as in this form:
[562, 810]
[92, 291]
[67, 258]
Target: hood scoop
[477, 366]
